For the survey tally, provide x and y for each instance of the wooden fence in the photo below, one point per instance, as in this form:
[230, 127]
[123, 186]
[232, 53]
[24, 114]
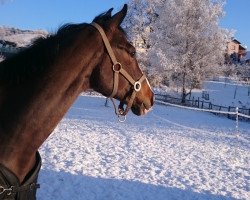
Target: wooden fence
[202, 104]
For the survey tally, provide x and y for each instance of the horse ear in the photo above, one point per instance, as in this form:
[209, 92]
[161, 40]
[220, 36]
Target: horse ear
[106, 16]
[117, 19]
[109, 12]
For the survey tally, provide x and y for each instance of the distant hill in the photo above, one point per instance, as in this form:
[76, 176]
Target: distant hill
[12, 39]
[20, 38]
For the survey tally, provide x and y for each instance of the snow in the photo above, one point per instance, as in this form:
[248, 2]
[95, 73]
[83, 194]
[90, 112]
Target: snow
[21, 38]
[170, 153]
[222, 93]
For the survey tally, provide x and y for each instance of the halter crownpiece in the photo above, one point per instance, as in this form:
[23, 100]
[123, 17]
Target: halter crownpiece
[118, 69]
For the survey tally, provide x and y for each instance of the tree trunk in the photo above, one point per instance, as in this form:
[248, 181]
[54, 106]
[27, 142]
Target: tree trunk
[183, 98]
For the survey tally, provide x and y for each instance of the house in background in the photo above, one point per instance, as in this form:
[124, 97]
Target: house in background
[235, 52]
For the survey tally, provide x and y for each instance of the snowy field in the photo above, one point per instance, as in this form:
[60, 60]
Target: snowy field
[226, 93]
[169, 154]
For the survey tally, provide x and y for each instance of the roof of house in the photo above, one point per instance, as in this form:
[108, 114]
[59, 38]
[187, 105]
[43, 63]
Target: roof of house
[236, 41]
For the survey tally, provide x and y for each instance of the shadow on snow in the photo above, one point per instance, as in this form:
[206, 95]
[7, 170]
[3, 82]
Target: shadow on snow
[62, 185]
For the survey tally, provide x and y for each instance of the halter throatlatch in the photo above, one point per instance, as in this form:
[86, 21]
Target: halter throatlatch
[118, 69]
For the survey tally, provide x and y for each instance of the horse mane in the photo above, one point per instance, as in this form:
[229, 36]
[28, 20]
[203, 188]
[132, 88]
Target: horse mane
[34, 60]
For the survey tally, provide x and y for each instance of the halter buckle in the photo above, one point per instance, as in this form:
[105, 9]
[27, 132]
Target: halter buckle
[117, 67]
[2, 190]
[9, 190]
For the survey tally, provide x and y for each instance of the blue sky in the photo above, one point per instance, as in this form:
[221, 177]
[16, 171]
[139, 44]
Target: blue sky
[50, 14]
[238, 18]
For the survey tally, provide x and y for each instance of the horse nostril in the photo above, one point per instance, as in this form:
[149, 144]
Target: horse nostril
[152, 100]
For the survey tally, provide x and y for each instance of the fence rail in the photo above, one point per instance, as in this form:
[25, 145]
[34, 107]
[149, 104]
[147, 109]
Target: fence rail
[201, 105]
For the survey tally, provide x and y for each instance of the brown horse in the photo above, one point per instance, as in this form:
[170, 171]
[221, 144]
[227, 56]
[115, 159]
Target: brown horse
[40, 83]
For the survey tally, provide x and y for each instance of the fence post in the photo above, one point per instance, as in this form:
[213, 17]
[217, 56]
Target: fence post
[106, 102]
[237, 120]
[228, 115]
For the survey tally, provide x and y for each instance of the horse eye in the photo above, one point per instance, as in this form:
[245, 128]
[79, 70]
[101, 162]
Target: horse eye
[133, 53]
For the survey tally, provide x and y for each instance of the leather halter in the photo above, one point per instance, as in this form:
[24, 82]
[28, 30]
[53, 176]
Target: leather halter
[118, 69]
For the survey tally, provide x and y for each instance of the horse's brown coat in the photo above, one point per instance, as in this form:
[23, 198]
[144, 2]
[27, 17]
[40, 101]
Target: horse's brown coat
[38, 85]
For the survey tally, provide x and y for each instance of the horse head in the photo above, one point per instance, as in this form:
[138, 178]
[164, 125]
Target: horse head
[121, 67]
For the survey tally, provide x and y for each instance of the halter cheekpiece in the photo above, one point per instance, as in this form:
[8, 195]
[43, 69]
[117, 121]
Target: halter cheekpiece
[118, 69]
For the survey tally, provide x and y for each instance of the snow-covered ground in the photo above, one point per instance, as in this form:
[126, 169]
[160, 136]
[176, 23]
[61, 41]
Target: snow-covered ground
[223, 93]
[169, 154]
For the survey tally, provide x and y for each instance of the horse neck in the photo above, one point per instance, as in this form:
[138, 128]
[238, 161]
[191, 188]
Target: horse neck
[25, 124]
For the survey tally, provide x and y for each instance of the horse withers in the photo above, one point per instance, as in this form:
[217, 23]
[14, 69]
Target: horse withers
[39, 84]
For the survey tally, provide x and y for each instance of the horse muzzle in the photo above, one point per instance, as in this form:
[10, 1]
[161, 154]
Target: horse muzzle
[142, 107]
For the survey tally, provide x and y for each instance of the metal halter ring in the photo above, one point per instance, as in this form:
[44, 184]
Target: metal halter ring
[137, 86]
[118, 65]
[121, 118]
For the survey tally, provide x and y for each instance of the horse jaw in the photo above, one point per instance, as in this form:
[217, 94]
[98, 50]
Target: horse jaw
[141, 110]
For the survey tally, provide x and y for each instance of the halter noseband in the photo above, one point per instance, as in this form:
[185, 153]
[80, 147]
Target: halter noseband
[118, 69]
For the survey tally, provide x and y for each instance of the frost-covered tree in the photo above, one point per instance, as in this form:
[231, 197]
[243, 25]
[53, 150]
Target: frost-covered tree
[138, 24]
[188, 42]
